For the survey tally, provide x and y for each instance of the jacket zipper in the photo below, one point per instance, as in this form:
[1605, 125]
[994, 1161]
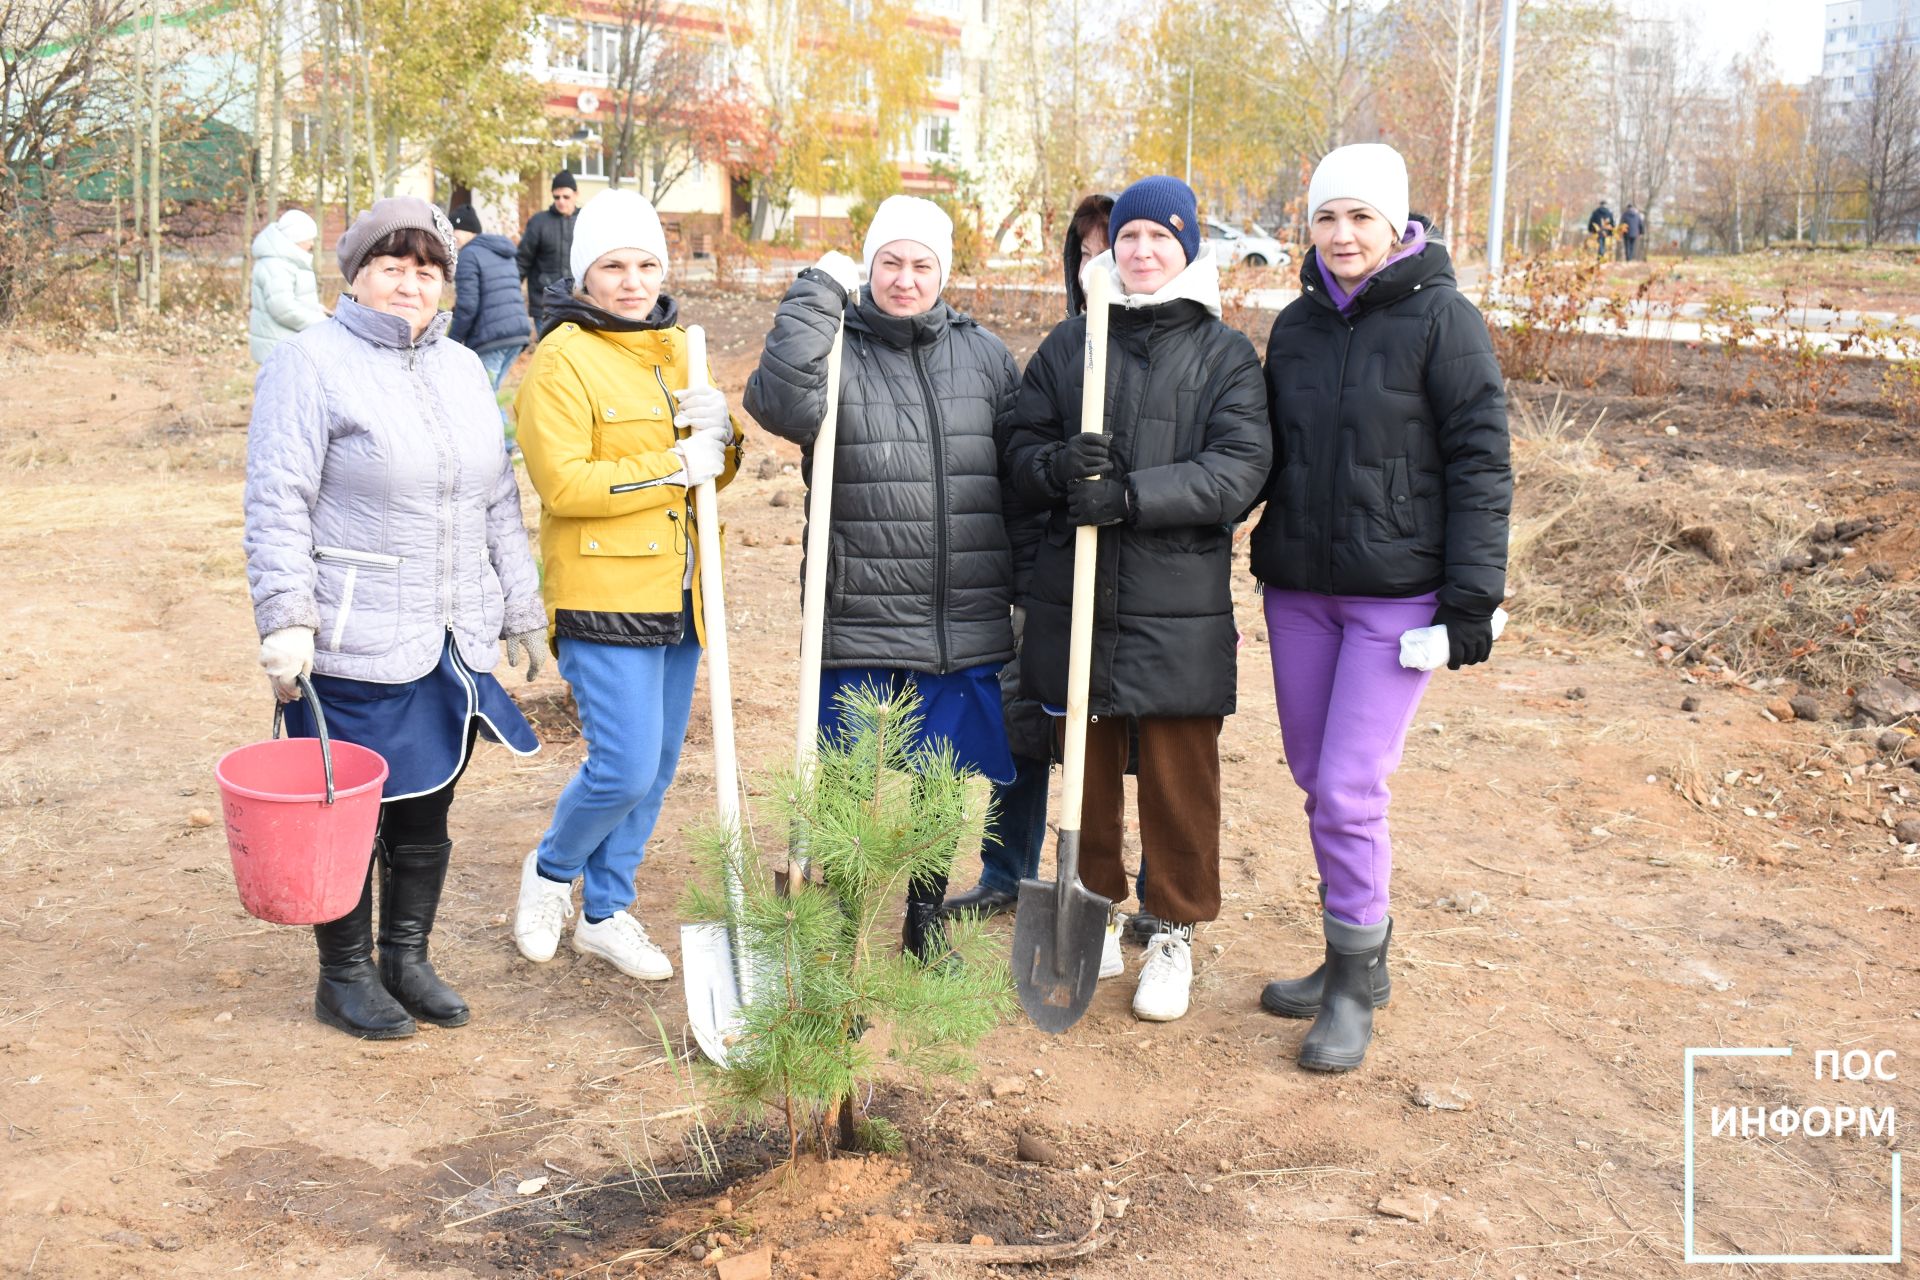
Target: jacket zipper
[935, 437]
[1339, 429]
[686, 501]
[346, 555]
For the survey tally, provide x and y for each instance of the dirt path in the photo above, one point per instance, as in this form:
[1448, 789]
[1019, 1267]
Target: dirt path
[1590, 880]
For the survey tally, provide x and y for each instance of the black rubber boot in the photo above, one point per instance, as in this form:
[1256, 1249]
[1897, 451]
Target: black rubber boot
[982, 900]
[923, 933]
[1338, 1038]
[411, 877]
[350, 996]
[1300, 997]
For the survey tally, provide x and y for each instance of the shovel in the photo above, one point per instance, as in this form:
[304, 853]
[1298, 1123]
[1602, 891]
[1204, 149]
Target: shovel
[712, 963]
[813, 598]
[1059, 926]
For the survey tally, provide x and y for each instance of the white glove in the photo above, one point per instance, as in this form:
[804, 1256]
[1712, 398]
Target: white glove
[531, 646]
[286, 655]
[704, 410]
[1425, 648]
[702, 456]
[844, 270]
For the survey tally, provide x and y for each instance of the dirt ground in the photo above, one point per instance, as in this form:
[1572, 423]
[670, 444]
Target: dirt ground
[1591, 879]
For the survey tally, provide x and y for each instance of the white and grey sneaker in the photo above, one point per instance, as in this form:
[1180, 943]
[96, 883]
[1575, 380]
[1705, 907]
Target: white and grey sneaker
[1112, 965]
[1166, 979]
[622, 942]
[542, 913]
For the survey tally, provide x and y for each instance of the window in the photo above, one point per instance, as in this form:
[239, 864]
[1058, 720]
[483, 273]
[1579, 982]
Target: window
[934, 136]
[1847, 84]
[587, 158]
[943, 66]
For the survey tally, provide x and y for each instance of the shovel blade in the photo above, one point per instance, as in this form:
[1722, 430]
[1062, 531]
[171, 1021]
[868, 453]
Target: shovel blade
[713, 989]
[1055, 983]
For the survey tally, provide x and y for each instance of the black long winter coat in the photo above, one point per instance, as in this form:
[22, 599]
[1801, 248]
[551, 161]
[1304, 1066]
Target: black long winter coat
[546, 252]
[920, 572]
[1390, 467]
[1187, 411]
[488, 310]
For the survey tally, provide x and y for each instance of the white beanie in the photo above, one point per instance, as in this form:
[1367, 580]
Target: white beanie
[911, 218]
[1371, 172]
[297, 224]
[615, 220]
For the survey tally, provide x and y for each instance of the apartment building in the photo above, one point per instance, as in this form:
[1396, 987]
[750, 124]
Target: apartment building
[577, 57]
[1858, 32]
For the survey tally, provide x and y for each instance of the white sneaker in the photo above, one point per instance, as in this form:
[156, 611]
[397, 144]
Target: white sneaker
[622, 942]
[1166, 979]
[544, 908]
[1111, 963]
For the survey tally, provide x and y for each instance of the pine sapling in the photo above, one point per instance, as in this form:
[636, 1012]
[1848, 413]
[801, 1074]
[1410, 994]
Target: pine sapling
[829, 984]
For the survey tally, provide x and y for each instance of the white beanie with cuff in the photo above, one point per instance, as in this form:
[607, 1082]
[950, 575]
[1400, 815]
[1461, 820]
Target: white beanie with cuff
[1371, 172]
[615, 219]
[297, 224]
[910, 218]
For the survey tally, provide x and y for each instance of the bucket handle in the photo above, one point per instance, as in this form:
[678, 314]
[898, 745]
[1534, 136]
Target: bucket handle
[319, 722]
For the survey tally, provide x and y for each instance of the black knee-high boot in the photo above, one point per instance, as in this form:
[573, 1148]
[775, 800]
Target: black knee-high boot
[924, 933]
[350, 995]
[411, 878]
[1300, 997]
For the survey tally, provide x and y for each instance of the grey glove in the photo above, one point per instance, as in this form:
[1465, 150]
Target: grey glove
[530, 646]
[704, 410]
[702, 457]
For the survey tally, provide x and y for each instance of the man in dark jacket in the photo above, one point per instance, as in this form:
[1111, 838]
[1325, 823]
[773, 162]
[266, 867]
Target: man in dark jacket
[547, 243]
[920, 576]
[1600, 227]
[1184, 454]
[1633, 225]
[489, 315]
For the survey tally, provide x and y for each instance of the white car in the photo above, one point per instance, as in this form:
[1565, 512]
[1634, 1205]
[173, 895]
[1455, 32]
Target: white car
[1232, 248]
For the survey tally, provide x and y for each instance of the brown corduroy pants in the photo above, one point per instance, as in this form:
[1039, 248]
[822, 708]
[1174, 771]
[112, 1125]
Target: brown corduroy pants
[1179, 803]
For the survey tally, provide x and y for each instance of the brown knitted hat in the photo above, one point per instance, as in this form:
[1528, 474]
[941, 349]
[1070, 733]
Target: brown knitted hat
[395, 213]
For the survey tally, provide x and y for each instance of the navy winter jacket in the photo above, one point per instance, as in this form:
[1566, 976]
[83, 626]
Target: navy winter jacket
[488, 310]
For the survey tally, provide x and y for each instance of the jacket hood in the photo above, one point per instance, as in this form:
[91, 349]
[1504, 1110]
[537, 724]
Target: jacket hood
[1431, 266]
[560, 305]
[1198, 282]
[272, 242]
[903, 331]
[497, 245]
[382, 329]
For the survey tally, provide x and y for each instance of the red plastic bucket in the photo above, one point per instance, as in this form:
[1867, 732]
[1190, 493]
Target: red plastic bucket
[300, 814]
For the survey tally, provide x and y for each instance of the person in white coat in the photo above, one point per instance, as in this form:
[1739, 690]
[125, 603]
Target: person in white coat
[286, 292]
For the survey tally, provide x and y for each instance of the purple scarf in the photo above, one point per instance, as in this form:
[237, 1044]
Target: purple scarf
[1412, 243]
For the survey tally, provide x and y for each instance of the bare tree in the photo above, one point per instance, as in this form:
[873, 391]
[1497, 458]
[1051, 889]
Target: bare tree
[653, 98]
[55, 53]
[1886, 136]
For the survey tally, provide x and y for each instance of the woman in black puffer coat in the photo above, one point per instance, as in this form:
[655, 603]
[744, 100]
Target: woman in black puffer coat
[920, 573]
[1184, 455]
[1386, 513]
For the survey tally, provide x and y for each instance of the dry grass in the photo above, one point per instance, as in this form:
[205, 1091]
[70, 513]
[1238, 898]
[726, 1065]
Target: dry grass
[1605, 548]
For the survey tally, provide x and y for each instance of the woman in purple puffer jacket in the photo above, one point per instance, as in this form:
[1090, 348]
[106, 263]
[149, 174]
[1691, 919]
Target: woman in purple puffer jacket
[387, 560]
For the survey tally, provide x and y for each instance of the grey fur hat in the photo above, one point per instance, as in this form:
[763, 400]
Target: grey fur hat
[395, 213]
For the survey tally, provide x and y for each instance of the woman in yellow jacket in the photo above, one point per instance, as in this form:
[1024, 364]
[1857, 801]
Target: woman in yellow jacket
[614, 441]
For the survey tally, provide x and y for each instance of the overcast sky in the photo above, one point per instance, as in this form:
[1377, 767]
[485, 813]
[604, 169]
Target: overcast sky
[1727, 27]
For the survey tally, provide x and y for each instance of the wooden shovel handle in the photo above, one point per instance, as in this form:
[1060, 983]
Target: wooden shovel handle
[1086, 562]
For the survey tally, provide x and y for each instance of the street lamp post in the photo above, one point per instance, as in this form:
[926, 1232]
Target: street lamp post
[1502, 128]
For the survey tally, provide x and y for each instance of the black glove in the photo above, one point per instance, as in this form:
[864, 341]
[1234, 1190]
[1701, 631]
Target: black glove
[1098, 502]
[1084, 455]
[1469, 636]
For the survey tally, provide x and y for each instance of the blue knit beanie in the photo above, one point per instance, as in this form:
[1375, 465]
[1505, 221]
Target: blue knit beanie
[1165, 200]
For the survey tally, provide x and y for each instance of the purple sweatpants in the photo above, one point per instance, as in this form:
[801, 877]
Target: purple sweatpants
[1345, 703]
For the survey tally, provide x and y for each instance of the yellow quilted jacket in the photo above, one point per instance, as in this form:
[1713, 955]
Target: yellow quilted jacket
[595, 423]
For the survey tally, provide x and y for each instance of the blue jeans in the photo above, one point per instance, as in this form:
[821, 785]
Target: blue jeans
[496, 361]
[1017, 827]
[633, 706]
